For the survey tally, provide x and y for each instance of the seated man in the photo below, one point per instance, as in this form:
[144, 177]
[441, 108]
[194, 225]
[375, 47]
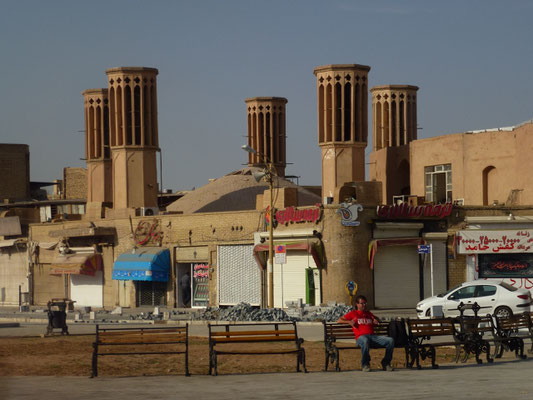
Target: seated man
[362, 323]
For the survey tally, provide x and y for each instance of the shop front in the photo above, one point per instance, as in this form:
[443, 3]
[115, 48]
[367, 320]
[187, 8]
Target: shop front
[498, 248]
[239, 278]
[297, 273]
[403, 275]
[82, 269]
[148, 268]
[192, 272]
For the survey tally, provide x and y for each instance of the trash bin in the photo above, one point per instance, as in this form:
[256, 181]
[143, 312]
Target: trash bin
[57, 315]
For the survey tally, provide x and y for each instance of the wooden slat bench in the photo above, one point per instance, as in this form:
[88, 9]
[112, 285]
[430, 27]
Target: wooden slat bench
[338, 337]
[422, 330]
[510, 333]
[222, 335]
[171, 336]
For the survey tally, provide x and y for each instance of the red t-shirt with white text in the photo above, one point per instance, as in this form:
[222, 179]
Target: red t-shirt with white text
[364, 322]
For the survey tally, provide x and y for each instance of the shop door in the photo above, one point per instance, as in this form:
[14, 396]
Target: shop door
[151, 293]
[290, 279]
[87, 290]
[239, 277]
[396, 277]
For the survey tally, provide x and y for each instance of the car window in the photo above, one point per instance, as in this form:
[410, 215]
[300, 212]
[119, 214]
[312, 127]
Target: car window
[463, 293]
[485, 290]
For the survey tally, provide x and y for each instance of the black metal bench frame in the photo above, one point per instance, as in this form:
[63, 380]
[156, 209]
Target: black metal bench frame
[140, 336]
[220, 334]
[507, 334]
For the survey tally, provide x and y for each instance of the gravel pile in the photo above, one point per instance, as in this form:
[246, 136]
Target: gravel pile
[243, 312]
[246, 312]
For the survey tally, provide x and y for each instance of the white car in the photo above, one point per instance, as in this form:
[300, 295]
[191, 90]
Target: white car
[494, 297]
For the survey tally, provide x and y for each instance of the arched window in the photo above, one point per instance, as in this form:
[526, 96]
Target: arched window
[321, 111]
[127, 107]
[489, 185]
[348, 112]
[338, 112]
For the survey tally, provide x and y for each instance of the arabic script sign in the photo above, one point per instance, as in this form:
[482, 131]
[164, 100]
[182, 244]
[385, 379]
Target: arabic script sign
[491, 242]
[406, 211]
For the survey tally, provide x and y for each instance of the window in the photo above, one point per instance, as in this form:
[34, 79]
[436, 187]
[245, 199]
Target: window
[485, 291]
[438, 183]
[463, 293]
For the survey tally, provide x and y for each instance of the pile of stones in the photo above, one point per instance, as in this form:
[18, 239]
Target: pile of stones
[246, 312]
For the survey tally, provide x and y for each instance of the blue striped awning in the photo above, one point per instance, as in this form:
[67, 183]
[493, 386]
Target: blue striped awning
[143, 264]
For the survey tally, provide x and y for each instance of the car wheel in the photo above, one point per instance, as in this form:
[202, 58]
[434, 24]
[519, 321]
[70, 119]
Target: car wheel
[428, 312]
[503, 312]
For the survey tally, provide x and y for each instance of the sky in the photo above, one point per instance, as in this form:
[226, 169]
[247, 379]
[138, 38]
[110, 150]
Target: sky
[472, 60]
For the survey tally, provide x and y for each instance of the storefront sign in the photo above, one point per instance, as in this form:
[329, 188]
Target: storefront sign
[487, 242]
[406, 211]
[349, 214]
[292, 214]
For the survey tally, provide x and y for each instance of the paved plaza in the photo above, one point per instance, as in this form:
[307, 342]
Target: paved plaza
[505, 379]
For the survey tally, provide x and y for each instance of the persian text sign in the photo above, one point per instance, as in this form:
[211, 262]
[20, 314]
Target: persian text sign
[489, 242]
[406, 211]
[293, 214]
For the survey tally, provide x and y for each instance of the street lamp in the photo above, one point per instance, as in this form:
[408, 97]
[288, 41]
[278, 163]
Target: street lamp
[269, 177]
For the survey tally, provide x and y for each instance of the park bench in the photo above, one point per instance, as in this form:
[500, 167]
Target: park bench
[339, 337]
[422, 330]
[472, 331]
[510, 332]
[249, 336]
[175, 340]
[472, 336]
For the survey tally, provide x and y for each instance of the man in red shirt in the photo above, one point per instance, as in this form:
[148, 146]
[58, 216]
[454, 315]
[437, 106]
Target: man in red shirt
[362, 323]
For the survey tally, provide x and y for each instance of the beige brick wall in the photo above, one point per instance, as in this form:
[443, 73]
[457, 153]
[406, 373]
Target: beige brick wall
[75, 183]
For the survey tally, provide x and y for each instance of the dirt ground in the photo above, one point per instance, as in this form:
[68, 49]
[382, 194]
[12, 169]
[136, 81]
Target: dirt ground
[71, 356]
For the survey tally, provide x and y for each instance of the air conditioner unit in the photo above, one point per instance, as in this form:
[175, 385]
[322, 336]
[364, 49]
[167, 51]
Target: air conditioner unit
[397, 200]
[459, 202]
[149, 211]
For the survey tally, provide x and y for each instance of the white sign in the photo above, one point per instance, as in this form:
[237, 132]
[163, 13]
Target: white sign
[494, 242]
[281, 254]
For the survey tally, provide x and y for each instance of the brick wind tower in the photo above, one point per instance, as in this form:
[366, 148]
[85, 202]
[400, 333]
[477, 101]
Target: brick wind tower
[134, 140]
[342, 92]
[97, 150]
[266, 132]
[394, 126]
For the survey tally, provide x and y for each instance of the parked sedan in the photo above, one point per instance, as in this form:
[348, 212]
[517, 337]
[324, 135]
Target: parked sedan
[494, 297]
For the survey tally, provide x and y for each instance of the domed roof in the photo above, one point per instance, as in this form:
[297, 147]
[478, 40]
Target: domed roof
[236, 191]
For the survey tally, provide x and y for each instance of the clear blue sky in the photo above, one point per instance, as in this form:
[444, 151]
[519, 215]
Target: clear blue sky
[473, 62]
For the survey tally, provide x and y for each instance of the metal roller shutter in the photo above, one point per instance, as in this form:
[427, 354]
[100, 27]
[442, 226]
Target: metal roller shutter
[294, 276]
[239, 277]
[396, 277]
[87, 290]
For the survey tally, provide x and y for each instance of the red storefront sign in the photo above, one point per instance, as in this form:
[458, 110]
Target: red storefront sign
[293, 214]
[406, 211]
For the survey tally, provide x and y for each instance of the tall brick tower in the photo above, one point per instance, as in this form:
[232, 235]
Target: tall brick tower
[97, 146]
[134, 136]
[342, 91]
[266, 132]
[394, 126]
